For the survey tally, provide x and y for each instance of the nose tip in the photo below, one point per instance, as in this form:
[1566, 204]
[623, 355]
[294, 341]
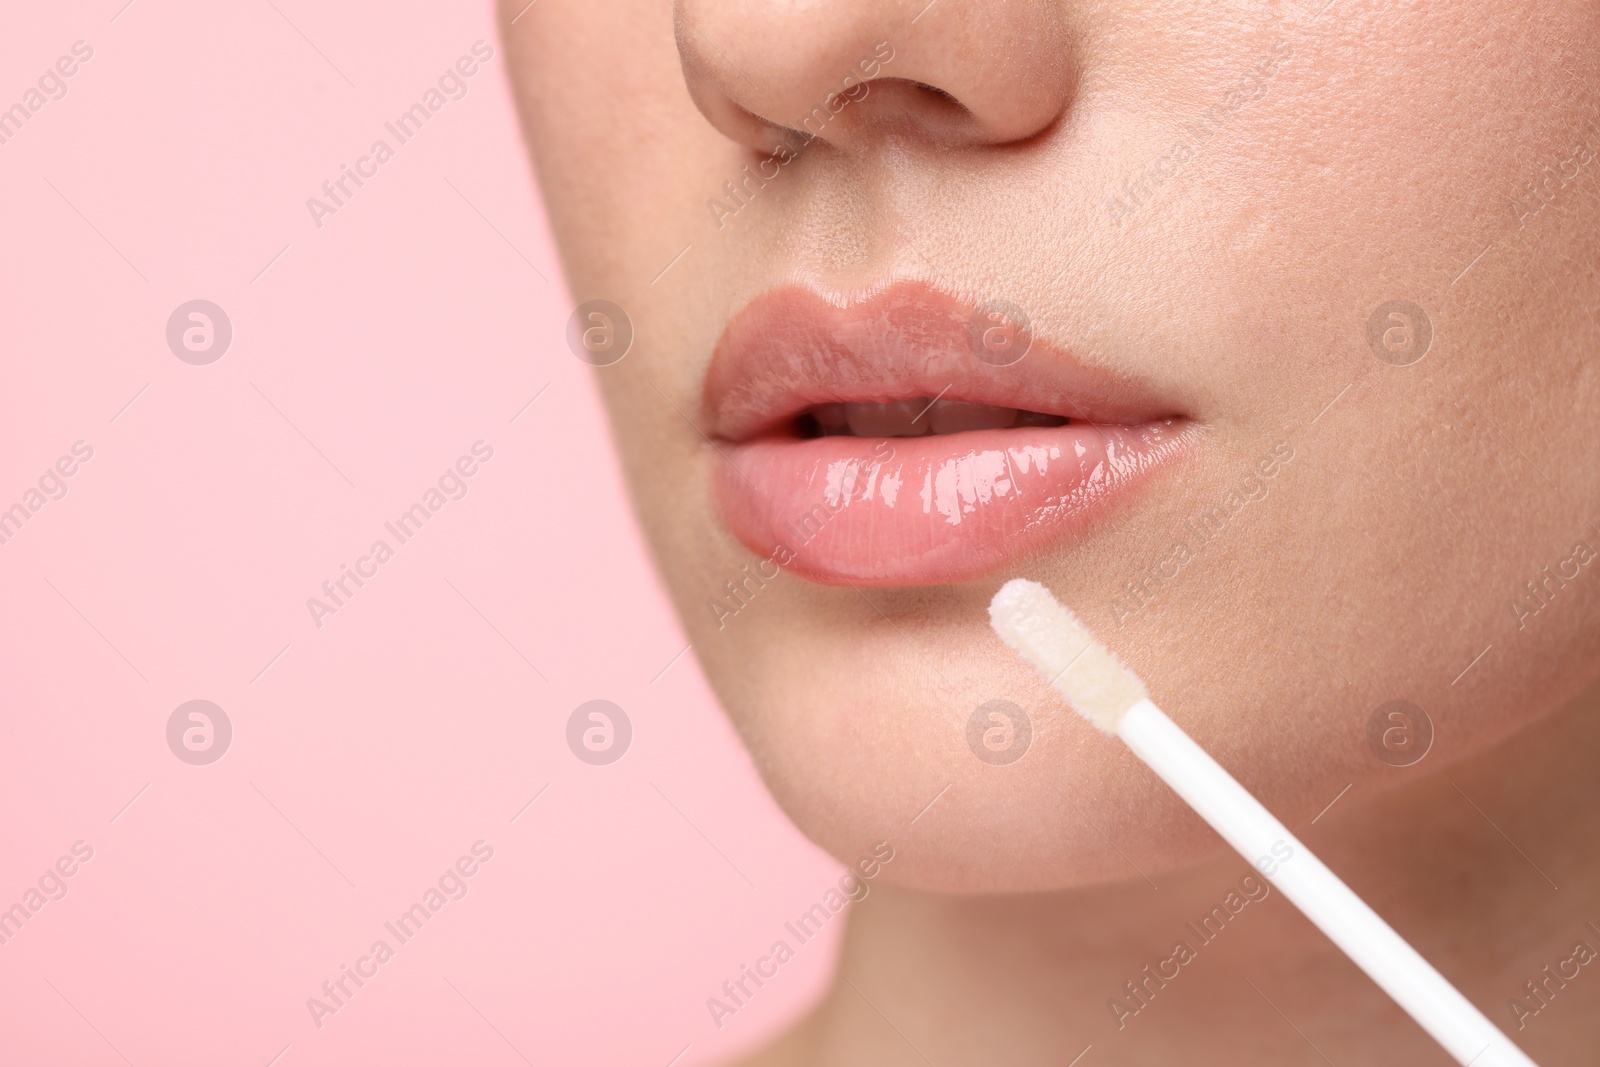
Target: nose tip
[952, 73]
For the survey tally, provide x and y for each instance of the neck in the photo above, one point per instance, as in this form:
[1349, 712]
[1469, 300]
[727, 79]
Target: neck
[1196, 970]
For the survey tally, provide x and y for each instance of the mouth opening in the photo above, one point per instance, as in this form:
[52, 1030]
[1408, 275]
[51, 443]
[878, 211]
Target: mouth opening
[913, 417]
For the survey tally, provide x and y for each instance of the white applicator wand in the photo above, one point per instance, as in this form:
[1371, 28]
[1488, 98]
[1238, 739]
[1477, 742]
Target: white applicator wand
[1111, 697]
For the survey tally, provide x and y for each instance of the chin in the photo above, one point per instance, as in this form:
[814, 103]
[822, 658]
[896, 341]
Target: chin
[905, 720]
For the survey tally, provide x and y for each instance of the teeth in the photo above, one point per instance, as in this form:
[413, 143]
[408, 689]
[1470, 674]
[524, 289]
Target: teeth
[917, 416]
[831, 419]
[954, 416]
[898, 418]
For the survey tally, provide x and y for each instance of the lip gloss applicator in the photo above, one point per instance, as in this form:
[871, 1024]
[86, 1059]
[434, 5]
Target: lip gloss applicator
[1097, 685]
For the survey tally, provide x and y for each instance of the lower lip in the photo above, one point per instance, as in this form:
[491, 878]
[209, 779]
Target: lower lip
[932, 510]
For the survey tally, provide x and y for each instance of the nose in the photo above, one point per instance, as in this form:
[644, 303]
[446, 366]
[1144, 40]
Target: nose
[953, 73]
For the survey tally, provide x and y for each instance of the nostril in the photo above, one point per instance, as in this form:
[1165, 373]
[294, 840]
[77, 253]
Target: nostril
[936, 91]
[942, 103]
[908, 106]
[848, 72]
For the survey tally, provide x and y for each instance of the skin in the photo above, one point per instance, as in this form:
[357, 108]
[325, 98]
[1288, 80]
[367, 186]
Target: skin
[1395, 152]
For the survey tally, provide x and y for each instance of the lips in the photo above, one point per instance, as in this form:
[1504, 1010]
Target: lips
[911, 439]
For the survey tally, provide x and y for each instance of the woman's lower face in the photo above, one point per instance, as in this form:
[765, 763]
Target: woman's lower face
[1262, 334]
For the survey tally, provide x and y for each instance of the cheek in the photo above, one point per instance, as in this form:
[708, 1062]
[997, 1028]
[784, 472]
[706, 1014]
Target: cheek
[1386, 560]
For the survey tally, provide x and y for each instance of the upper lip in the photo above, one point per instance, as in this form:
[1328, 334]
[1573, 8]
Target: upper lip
[791, 349]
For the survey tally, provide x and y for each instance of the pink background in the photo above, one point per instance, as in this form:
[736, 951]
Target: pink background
[369, 754]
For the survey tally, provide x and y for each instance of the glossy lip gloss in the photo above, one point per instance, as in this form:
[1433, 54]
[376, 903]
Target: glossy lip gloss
[916, 510]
